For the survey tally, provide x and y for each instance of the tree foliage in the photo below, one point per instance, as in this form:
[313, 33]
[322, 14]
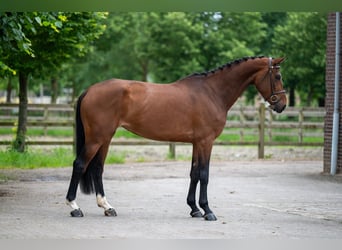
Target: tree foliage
[37, 43]
[13, 38]
[77, 49]
[302, 39]
[162, 47]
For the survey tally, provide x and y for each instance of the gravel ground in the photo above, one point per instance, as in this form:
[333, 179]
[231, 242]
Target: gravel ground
[221, 153]
[283, 197]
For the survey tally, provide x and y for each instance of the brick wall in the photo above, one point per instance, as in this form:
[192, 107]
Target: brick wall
[329, 99]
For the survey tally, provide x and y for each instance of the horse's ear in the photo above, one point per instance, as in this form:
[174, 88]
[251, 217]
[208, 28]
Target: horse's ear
[279, 60]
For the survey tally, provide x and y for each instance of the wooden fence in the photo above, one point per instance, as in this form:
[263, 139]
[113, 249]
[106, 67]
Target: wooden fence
[246, 125]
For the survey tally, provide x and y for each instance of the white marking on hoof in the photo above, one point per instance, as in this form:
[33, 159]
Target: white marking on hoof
[102, 202]
[72, 204]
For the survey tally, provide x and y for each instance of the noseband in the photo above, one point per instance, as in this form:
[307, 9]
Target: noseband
[273, 98]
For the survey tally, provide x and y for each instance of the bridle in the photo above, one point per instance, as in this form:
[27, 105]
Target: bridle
[273, 98]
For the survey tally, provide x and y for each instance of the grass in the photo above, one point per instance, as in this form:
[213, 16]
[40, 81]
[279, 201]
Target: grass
[278, 135]
[115, 158]
[37, 158]
[45, 158]
[231, 135]
[40, 132]
[60, 132]
[63, 156]
[122, 133]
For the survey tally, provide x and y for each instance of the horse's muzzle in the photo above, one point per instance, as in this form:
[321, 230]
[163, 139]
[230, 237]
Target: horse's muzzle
[278, 107]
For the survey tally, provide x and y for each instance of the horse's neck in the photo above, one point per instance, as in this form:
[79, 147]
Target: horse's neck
[229, 84]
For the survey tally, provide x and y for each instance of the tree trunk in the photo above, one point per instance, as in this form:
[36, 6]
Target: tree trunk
[19, 143]
[9, 90]
[73, 94]
[321, 102]
[144, 69]
[309, 98]
[292, 97]
[54, 90]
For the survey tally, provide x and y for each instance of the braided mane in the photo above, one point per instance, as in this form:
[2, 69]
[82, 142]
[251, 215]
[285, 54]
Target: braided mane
[227, 65]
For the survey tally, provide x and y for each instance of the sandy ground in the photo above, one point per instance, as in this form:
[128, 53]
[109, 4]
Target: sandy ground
[220, 153]
[284, 196]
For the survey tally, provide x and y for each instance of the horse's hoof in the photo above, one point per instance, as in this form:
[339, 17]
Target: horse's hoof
[110, 212]
[210, 217]
[196, 214]
[76, 213]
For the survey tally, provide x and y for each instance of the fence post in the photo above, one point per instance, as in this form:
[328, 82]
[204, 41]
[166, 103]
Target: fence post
[46, 116]
[172, 150]
[300, 120]
[269, 121]
[261, 143]
[242, 121]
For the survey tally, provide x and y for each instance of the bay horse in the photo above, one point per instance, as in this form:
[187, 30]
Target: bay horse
[191, 110]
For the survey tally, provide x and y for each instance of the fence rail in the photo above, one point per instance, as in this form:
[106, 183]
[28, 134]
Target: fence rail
[253, 126]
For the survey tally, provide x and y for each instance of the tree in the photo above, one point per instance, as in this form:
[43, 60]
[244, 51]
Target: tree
[162, 47]
[272, 20]
[269, 20]
[48, 40]
[228, 36]
[302, 39]
[72, 40]
[175, 49]
[13, 38]
[140, 46]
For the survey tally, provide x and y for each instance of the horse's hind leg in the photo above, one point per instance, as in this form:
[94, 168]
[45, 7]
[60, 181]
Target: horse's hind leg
[79, 165]
[98, 183]
[77, 170]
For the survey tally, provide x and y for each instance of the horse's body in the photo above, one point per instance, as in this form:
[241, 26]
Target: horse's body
[192, 110]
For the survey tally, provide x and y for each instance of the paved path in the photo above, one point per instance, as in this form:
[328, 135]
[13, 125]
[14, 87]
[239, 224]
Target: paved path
[252, 200]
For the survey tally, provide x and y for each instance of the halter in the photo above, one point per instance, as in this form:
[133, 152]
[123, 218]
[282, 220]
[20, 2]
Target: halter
[273, 98]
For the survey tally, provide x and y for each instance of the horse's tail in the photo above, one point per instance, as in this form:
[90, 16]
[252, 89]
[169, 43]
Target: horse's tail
[80, 137]
[93, 169]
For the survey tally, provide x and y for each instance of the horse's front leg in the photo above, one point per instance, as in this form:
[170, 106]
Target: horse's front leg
[200, 173]
[191, 199]
[203, 200]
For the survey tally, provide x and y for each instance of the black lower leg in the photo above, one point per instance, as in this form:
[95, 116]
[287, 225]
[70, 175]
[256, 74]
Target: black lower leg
[97, 166]
[191, 199]
[203, 201]
[98, 170]
[75, 178]
[71, 195]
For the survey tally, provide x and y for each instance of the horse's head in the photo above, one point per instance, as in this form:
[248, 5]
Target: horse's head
[269, 84]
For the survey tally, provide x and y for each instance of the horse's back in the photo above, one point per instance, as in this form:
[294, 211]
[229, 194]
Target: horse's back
[135, 94]
[169, 112]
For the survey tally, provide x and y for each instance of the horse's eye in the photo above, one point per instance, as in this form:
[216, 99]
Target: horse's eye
[278, 77]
